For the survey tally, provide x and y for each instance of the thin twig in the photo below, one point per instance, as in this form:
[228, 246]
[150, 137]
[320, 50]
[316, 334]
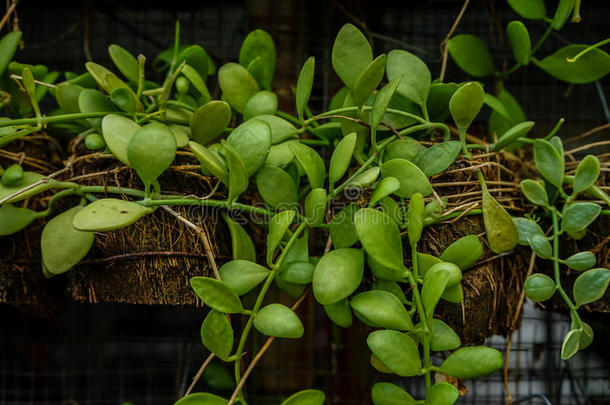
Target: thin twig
[19, 77]
[9, 11]
[445, 50]
[31, 186]
[136, 255]
[588, 133]
[199, 374]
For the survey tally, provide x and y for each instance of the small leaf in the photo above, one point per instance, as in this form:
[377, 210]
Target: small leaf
[280, 128]
[471, 54]
[391, 287]
[541, 246]
[297, 272]
[527, 228]
[337, 275]
[242, 275]
[277, 228]
[381, 309]
[315, 206]
[124, 99]
[276, 187]
[570, 344]
[395, 350]
[438, 157]
[530, 9]
[465, 104]
[443, 337]
[472, 362]
[107, 214]
[151, 151]
[202, 398]
[125, 62]
[29, 178]
[263, 102]
[304, 85]
[464, 252]
[210, 161]
[511, 135]
[539, 287]
[238, 174]
[237, 85]
[580, 261]
[118, 131]
[562, 13]
[443, 393]
[343, 228]
[412, 179]
[385, 393]
[306, 397]
[62, 245]
[13, 219]
[210, 121]
[12, 175]
[279, 321]
[385, 273]
[591, 66]
[586, 174]
[341, 157]
[216, 294]
[535, 192]
[311, 162]
[386, 186]
[197, 58]
[366, 178]
[380, 237]
[591, 286]
[519, 39]
[502, 234]
[242, 245]
[217, 334]
[415, 218]
[252, 142]
[8, 47]
[415, 84]
[382, 101]
[368, 80]
[259, 45]
[351, 54]
[432, 290]
[579, 216]
[340, 313]
[405, 148]
[197, 81]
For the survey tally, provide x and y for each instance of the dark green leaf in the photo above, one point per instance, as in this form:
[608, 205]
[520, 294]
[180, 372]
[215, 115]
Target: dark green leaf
[579, 216]
[304, 85]
[438, 157]
[277, 228]
[92, 101]
[443, 337]
[465, 104]
[381, 309]
[391, 287]
[443, 393]
[337, 275]
[512, 135]
[385, 187]
[464, 252]
[472, 362]
[541, 246]
[416, 79]
[242, 275]
[217, 334]
[311, 162]
[124, 99]
[210, 161]
[432, 290]
[216, 294]
[586, 174]
[591, 286]
[527, 228]
[315, 206]
[405, 148]
[539, 287]
[343, 229]
[297, 272]
[471, 54]
[341, 157]
[395, 350]
[340, 313]
[562, 13]
[242, 245]
[380, 237]
[530, 9]
[368, 80]
[202, 398]
[592, 66]
[125, 62]
[276, 187]
[412, 179]
[280, 128]
[238, 173]
[306, 397]
[151, 150]
[581, 261]
[519, 39]
[263, 102]
[237, 85]
[8, 47]
[351, 54]
[279, 321]
[210, 121]
[259, 44]
[385, 393]
[382, 101]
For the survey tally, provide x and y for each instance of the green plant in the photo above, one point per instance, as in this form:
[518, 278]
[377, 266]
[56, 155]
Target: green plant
[569, 216]
[242, 139]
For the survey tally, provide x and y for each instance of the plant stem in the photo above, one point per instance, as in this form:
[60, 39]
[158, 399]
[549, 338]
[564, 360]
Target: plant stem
[364, 108]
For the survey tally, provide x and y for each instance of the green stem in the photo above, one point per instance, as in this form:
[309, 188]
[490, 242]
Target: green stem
[426, 126]
[542, 39]
[588, 49]
[339, 111]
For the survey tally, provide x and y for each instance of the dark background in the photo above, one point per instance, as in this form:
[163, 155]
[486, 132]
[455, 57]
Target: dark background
[108, 353]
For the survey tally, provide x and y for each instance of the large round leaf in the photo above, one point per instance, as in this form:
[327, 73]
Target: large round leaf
[242, 275]
[118, 131]
[591, 66]
[237, 85]
[217, 334]
[107, 214]
[351, 54]
[465, 104]
[385, 393]
[381, 309]
[92, 101]
[472, 362]
[263, 102]
[276, 187]
[210, 121]
[61, 245]
[337, 275]
[464, 252]
[279, 321]
[412, 179]
[471, 54]
[252, 141]
[151, 150]
[416, 79]
[395, 350]
[258, 48]
[380, 237]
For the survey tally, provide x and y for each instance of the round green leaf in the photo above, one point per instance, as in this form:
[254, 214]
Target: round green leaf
[386, 186]
[277, 228]
[412, 179]
[519, 39]
[279, 321]
[124, 99]
[306, 397]
[391, 287]
[263, 102]
[366, 178]
[210, 161]
[12, 175]
[13, 219]
[471, 54]
[216, 294]
[252, 141]
[530, 9]
[385, 393]
[118, 131]
[591, 286]
[315, 206]
[61, 245]
[125, 62]
[108, 214]
[217, 334]
[304, 85]
[592, 66]
[276, 187]
[472, 362]
[202, 398]
[541, 246]
[351, 54]
[340, 313]
[466, 103]
[210, 121]
[297, 272]
[443, 393]
[381, 309]
[443, 337]
[416, 79]
[395, 350]
[405, 148]
[242, 275]
[280, 128]
[579, 216]
[527, 228]
[67, 95]
[337, 275]
[259, 46]
[197, 58]
[311, 162]
[581, 261]
[380, 237]
[512, 134]
[92, 101]
[586, 174]
[464, 252]
[438, 157]
[368, 80]
[570, 344]
[549, 162]
[535, 192]
[385, 273]
[502, 233]
[539, 287]
[237, 85]
[343, 228]
[151, 150]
